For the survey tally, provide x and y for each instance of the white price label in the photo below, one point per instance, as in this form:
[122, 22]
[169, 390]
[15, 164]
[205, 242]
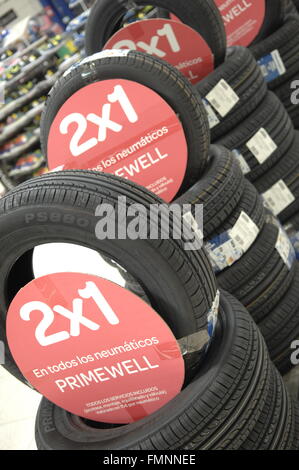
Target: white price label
[262, 146]
[2, 190]
[278, 198]
[213, 119]
[223, 98]
[224, 255]
[278, 62]
[244, 232]
[214, 312]
[285, 248]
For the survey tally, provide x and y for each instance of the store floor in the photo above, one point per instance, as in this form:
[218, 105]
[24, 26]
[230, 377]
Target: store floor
[18, 406]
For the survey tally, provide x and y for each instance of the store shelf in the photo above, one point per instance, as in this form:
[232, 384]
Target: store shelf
[21, 149]
[15, 127]
[22, 52]
[36, 92]
[16, 174]
[33, 69]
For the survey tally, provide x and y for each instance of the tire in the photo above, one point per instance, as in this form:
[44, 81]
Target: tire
[273, 118]
[291, 7]
[218, 410]
[183, 297]
[260, 279]
[296, 3]
[275, 429]
[292, 225]
[251, 203]
[242, 74]
[219, 190]
[281, 328]
[264, 301]
[274, 16]
[287, 169]
[285, 40]
[201, 15]
[153, 73]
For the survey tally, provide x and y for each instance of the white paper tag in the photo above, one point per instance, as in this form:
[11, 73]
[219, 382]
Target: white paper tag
[242, 162]
[2, 190]
[105, 54]
[272, 66]
[212, 117]
[227, 248]
[213, 314]
[244, 232]
[261, 145]
[223, 253]
[278, 62]
[278, 198]
[285, 248]
[223, 98]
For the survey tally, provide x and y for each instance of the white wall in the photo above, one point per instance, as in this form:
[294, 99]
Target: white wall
[22, 8]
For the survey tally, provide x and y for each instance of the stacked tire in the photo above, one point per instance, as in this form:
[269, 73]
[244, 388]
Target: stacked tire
[234, 398]
[238, 371]
[257, 129]
[261, 270]
[236, 365]
[277, 56]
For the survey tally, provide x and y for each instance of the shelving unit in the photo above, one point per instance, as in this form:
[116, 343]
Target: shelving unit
[20, 139]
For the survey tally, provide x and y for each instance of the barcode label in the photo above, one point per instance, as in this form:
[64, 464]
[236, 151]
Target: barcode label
[244, 232]
[278, 198]
[2, 190]
[278, 62]
[261, 145]
[223, 98]
[227, 248]
[285, 248]
[272, 66]
[213, 119]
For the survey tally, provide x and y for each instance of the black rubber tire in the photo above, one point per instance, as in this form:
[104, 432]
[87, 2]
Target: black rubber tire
[296, 439]
[260, 279]
[281, 328]
[201, 15]
[296, 3]
[271, 116]
[274, 16]
[251, 203]
[186, 288]
[285, 92]
[218, 410]
[275, 429]
[286, 41]
[153, 73]
[262, 302]
[291, 7]
[243, 75]
[287, 169]
[219, 190]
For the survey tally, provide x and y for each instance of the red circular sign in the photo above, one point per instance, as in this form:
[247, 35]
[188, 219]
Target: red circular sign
[172, 41]
[94, 348]
[243, 20]
[124, 128]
